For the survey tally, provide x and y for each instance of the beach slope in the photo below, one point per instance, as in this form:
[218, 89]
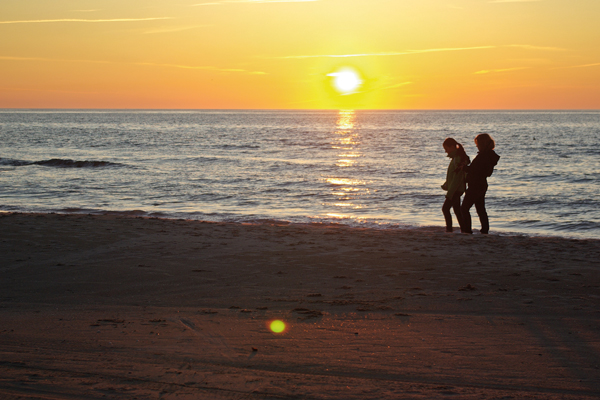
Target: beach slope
[101, 307]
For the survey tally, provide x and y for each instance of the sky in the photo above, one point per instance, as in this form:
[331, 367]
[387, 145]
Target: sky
[291, 54]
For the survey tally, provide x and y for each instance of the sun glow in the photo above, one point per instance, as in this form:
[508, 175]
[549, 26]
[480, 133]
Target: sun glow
[346, 80]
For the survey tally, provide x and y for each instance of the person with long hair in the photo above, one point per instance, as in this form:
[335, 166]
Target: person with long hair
[455, 181]
[480, 169]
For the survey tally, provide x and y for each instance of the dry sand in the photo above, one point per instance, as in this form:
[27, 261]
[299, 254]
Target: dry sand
[104, 307]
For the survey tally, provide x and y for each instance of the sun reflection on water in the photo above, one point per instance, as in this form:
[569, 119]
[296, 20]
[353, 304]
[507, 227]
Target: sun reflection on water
[345, 188]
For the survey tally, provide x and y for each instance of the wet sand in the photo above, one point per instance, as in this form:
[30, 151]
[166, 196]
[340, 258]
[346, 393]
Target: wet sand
[101, 307]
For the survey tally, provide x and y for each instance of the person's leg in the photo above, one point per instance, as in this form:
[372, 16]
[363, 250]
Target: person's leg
[456, 208]
[482, 213]
[446, 210]
[467, 203]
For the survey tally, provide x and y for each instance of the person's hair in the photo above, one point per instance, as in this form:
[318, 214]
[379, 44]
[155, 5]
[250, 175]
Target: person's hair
[485, 141]
[449, 142]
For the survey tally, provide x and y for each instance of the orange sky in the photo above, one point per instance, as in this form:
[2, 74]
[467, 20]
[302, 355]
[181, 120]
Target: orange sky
[279, 54]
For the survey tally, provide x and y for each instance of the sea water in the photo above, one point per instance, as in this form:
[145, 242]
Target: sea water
[361, 168]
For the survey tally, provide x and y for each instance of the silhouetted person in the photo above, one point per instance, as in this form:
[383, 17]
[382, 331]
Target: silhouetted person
[455, 181]
[477, 173]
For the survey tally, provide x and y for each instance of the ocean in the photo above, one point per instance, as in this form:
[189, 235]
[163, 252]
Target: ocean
[380, 169]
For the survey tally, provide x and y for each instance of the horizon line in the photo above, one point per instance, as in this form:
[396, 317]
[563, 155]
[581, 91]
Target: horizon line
[293, 109]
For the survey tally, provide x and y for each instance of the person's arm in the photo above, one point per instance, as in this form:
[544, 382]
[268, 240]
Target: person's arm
[456, 176]
[475, 170]
[473, 166]
[453, 187]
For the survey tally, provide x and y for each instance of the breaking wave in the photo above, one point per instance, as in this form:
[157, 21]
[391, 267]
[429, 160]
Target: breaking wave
[60, 163]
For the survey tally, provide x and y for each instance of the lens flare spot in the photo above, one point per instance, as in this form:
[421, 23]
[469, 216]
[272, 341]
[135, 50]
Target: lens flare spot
[277, 326]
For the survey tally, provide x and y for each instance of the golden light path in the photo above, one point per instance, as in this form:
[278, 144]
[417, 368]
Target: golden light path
[346, 190]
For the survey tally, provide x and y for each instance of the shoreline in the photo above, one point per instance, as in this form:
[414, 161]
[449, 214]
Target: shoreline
[140, 214]
[125, 307]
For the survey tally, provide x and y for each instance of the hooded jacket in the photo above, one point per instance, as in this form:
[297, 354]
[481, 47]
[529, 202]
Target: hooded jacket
[455, 177]
[482, 166]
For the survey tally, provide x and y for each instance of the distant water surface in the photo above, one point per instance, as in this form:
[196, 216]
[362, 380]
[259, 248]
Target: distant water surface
[361, 168]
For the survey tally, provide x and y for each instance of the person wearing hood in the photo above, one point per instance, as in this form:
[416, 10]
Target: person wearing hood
[477, 173]
[455, 181]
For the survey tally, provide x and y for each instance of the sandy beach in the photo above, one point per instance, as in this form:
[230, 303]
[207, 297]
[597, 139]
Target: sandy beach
[107, 307]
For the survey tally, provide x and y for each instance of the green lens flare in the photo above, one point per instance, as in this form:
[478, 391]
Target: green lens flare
[277, 326]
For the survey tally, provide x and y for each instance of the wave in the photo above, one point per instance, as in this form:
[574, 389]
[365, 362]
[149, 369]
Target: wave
[96, 211]
[525, 227]
[236, 146]
[60, 163]
[578, 226]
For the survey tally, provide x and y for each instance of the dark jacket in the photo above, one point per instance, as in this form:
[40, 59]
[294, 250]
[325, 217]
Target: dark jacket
[482, 166]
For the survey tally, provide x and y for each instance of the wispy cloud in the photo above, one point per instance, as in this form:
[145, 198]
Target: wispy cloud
[180, 66]
[512, 1]
[383, 87]
[587, 65]
[489, 71]
[43, 21]
[203, 67]
[530, 47]
[17, 89]
[216, 3]
[389, 53]
[580, 66]
[397, 85]
[175, 29]
[9, 58]
[421, 51]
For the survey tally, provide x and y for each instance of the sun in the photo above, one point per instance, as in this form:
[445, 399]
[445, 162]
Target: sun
[346, 80]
